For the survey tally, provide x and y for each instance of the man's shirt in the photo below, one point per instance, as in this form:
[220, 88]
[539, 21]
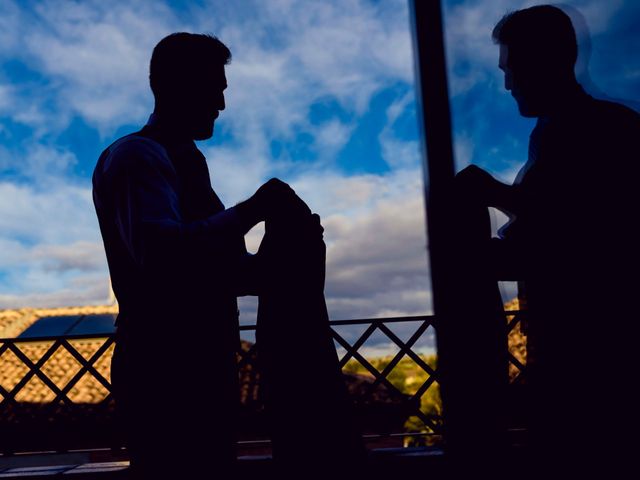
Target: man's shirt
[167, 236]
[575, 235]
[576, 189]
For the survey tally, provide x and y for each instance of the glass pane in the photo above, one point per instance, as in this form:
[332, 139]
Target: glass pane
[320, 94]
[536, 126]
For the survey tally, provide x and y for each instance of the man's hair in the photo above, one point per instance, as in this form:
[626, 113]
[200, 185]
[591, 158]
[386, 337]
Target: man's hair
[181, 55]
[543, 32]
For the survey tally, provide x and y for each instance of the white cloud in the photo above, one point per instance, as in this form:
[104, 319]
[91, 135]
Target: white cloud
[330, 137]
[53, 258]
[82, 256]
[376, 242]
[286, 55]
[50, 247]
[10, 16]
[238, 170]
[299, 53]
[94, 56]
[53, 216]
[399, 153]
[81, 290]
[44, 164]
[464, 150]
[6, 94]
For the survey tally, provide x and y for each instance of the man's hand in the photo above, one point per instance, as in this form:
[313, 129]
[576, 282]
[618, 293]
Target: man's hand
[473, 182]
[273, 197]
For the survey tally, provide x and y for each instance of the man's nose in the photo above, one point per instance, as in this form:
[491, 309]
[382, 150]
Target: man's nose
[220, 104]
[508, 81]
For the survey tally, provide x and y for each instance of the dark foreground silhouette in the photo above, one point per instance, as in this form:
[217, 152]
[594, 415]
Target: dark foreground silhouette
[178, 261]
[571, 243]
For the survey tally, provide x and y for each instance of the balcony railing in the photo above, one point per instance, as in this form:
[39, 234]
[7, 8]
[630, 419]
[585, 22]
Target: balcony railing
[55, 392]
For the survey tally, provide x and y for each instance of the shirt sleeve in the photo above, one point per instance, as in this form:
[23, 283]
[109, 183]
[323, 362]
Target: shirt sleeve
[147, 211]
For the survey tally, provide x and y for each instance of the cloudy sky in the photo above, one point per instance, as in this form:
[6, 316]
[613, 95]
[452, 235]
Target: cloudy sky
[321, 94]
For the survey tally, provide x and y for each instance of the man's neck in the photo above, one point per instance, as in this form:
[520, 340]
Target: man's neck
[169, 125]
[564, 98]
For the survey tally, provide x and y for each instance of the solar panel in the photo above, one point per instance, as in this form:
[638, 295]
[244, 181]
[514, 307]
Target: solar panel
[71, 325]
[98, 324]
[51, 326]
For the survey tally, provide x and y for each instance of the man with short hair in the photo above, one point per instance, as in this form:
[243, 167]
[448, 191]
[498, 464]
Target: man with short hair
[178, 261]
[571, 241]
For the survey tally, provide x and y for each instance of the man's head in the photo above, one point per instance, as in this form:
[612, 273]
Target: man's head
[188, 81]
[538, 52]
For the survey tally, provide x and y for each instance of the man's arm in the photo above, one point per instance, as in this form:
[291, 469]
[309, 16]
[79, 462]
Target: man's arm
[147, 210]
[482, 187]
[274, 201]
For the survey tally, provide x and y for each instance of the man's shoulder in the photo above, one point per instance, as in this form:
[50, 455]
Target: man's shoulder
[616, 110]
[135, 145]
[613, 118]
[129, 151]
[592, 121]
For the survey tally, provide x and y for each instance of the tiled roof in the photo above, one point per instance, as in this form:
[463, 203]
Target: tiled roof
[15, 321]
[61, 367]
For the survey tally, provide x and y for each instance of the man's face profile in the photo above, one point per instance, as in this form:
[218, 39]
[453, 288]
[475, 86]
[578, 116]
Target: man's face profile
[515, 81]
[532, 80]
[205, 100]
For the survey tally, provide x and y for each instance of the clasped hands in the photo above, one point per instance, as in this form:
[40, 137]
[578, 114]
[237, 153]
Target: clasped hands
[275, 199]
[477, 185]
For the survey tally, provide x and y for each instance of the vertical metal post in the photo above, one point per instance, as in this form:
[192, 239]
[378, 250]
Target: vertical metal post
[471, 342]
[437, 142]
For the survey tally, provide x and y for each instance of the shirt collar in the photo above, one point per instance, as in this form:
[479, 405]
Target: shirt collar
[568, 104]
[169, 136]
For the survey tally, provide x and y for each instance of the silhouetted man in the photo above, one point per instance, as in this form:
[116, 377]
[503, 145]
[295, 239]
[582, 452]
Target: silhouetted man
[571, 243]
[178, 261]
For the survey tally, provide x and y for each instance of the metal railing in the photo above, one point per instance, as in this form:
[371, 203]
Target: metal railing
[35, 369]
[62, 387]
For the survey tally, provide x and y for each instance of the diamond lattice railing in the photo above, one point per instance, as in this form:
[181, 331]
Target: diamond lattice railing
[399, 380]
[46, 370]
[382, 371]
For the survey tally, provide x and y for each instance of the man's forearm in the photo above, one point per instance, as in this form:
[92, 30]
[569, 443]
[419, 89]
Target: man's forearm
[248, 215]
[222, 225]
[504, 197]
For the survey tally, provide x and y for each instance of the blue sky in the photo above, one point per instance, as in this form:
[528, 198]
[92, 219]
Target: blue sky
[320, 94]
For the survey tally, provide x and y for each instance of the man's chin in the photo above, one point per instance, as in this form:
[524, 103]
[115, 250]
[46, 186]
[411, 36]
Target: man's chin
[526, 111]
[528, 114]
[527, 107]
[204, 133]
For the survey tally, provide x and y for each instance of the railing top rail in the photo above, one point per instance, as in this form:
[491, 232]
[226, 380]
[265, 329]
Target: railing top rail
[53, 338]
[355, 321]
